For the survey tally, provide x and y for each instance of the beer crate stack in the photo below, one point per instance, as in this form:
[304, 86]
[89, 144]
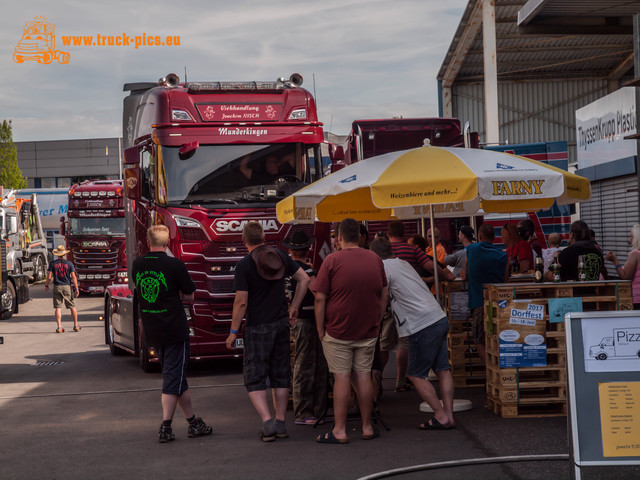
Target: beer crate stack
[467, 367]
[539, 391]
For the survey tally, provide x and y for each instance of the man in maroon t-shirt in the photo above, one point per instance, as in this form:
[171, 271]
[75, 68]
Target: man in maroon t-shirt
[351, 294]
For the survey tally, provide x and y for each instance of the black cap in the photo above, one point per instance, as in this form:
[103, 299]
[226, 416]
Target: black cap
[468, 232]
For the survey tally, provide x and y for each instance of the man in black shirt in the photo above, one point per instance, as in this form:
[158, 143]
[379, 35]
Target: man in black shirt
[260, 293]
[580, 243]
[162, 283]
[62, 273]
[310, 370]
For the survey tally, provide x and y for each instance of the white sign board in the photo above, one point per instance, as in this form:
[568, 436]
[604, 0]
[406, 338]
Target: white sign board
[601, 127]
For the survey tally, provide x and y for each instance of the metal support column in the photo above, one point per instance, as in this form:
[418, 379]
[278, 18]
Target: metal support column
[492, 125]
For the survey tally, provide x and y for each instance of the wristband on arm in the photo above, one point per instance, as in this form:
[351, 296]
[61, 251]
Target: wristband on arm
[235, 332]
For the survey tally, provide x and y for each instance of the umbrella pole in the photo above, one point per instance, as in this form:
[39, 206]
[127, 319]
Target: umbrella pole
[434, 252]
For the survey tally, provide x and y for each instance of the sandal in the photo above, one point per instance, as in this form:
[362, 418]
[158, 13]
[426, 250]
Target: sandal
[76, 328]
[434, 424]
[371, 436]
[329, 437]
[59, 330]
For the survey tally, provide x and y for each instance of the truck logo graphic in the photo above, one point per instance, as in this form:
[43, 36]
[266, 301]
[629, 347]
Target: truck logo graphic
[38, 43]
[625, 342]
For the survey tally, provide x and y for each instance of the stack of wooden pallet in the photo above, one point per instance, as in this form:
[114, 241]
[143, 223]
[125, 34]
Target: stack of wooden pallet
[539, 390]
[467, 367]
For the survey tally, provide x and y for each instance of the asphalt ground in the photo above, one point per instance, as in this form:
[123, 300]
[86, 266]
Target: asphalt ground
[71, 410]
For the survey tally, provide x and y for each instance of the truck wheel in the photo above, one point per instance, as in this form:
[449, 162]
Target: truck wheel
[143, 353]
[8, 302]
[63, 57]
[17, 58]
[38, 269]
[601, 356]
[46, 58]
[108, 330]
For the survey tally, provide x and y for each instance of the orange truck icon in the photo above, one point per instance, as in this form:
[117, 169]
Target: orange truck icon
[38, 43]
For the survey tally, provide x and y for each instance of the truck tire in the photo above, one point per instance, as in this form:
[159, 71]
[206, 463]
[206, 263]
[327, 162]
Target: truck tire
[108, 330]
[143, 352]
[18, 58]
[8, 302]
[601, 356]
[38, 269]
[63, 57]
[46, 58]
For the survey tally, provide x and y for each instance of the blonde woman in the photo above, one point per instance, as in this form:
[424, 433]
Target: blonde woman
[630, 270]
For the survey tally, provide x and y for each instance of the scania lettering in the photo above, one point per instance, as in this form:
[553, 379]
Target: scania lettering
[222, 226]
[95, 234]
[204, 158]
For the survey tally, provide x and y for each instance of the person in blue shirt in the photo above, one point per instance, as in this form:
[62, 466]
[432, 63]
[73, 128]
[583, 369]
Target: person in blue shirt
[486, 263]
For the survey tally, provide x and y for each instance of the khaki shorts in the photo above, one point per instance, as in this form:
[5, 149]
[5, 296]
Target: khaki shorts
[389, 334]
[345, 356]
[62, 295]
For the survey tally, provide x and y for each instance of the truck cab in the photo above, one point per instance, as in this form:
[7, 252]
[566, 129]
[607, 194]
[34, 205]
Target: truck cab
[204, 158]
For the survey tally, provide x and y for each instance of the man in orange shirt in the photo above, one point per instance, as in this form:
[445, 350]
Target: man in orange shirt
[440, 251]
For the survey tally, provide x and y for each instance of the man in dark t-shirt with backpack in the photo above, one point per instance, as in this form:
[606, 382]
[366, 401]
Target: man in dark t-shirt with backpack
[260, 294]
[162, 283]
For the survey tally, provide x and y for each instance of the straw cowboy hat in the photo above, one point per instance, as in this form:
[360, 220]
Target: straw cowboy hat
[298, 241]
[60, 250]
[268, 262]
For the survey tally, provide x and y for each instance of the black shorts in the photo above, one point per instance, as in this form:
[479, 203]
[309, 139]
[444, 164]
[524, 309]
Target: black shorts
[174, 360]
[267, 355]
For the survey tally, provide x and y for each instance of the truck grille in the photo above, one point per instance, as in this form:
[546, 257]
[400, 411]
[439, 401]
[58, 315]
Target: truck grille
[86, 258]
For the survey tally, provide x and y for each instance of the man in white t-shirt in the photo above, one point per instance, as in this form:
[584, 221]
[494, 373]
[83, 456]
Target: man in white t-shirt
[418, 316]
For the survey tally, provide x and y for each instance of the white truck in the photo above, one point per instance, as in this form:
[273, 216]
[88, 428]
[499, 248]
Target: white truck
[21, 230]
[625, 342]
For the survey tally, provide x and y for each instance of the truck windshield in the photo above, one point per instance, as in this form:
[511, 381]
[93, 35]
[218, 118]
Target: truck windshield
[236, 174]
[97, 226]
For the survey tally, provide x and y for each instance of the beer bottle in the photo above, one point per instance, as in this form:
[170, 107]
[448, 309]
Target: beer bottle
[555, 268]
[539, 270]
[582, 275]
[515, 266]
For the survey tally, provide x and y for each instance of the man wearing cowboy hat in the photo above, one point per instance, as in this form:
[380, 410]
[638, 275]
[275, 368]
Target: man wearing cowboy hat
[259, 284]
[63, 273]
[310, 371]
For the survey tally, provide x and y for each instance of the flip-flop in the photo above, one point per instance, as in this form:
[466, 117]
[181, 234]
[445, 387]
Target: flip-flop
[375, 434]
[60, 330]
[77, 328]
[435, 425]
[329, 437]
[307, 421]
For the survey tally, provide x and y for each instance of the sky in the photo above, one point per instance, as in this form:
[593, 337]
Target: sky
[369, 58]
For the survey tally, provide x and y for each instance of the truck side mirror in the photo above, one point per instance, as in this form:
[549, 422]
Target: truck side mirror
[131, 156]
[132, 183]
[63, 226]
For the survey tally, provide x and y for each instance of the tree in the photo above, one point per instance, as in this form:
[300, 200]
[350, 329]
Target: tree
[10, 174]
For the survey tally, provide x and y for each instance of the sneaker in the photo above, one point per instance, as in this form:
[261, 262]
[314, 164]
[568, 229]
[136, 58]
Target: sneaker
[281, 429]
[268, 431]
[199, 428]
[165, 435]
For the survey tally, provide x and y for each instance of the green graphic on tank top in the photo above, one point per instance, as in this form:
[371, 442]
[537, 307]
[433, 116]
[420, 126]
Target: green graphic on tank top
[148, 284]
[592, 266]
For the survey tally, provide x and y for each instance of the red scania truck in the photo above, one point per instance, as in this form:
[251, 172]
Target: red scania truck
[203, 158]
[95, 234]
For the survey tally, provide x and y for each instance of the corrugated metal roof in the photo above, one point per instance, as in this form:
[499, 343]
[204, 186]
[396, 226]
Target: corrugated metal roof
[553, 44]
